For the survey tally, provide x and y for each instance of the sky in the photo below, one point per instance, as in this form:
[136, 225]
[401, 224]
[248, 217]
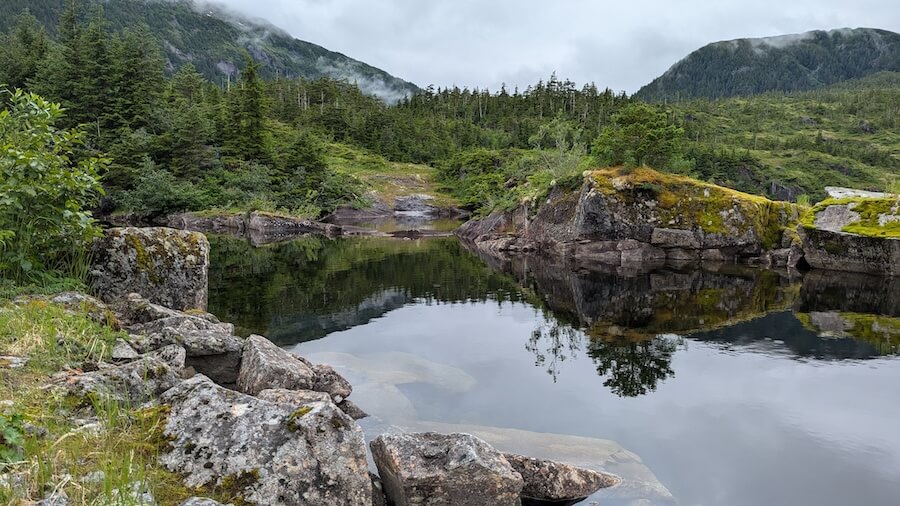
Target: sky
[622, 45]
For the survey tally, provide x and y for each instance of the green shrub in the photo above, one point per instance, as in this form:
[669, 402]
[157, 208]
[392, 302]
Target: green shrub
[45, 191]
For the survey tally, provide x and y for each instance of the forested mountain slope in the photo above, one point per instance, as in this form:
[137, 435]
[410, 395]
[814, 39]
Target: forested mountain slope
[784, 145]
[214, 40]
[785, 63]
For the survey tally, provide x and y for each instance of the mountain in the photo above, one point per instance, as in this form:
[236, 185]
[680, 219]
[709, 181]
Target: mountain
[214, 39]
[785, 63]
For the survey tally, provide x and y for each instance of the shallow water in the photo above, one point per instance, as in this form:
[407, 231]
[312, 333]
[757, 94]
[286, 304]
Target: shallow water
[699, 387]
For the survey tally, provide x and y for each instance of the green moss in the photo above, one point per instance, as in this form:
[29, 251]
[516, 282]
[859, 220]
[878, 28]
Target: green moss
[870, 210]
[144, 262]
[687, 203]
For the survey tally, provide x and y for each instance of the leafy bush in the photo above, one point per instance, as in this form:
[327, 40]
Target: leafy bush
[12, 437]
[641, 135]
[45, 191]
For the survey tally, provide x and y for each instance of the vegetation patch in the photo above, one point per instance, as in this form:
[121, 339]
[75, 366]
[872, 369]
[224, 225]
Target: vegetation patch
[878, 217]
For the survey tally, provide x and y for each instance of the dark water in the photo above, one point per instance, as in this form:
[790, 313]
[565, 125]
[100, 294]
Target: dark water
[699, 387]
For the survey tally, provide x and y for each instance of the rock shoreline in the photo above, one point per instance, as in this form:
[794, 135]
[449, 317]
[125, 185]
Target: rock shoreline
[646, 220]
[273, 427]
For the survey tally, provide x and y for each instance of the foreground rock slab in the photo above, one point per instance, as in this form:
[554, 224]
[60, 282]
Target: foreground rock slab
[309, 456]
[547, 480]
[431, 469]
[167, 266]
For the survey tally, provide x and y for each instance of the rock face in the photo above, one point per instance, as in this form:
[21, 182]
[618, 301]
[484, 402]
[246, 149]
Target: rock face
[277, 454]
[640, 217]
[431, 469]
[266, 366]
[858, 234]
[547, 480]
[167, 266]
[134, 383]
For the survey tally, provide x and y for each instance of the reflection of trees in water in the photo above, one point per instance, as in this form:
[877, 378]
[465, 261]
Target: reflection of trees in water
[552, 343]
[633, 367]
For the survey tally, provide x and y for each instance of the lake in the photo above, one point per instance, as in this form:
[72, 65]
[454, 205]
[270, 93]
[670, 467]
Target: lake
[716, 386]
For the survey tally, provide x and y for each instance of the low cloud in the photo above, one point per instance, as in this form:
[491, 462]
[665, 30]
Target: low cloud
[517, 42]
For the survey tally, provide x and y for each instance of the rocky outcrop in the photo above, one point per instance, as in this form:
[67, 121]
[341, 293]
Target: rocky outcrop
[273, 453]
[626, 218]
[857, 234]
[431, 469]
[546, 480]
[167, 266]
[133, 383]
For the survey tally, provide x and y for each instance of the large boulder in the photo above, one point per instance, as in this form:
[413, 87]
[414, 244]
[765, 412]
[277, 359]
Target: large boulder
[853, 234]
[266, 366]
[167, 266]
[430, 469]
[547, 480]
[277, 454]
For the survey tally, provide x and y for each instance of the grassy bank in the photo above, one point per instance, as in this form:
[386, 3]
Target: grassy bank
[94, 450]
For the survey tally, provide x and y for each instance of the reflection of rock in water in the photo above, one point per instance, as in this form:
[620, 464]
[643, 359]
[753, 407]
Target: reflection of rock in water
[851, 293]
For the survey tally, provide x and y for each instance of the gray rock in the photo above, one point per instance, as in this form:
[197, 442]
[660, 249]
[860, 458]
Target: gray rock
[671, 238]
[201, 501]
[329, 381]
[431, 469]
[210, 346]
[547, 480]
[378, 497]
[165, 265]
[134, 494]
[173, 355]
[11, 362]
[264, 366]
[122, 351]
[136, 382]
[840, 251]
[352, 410]
[54, 499]
[294, 398]
[835, 218]
[312, 456]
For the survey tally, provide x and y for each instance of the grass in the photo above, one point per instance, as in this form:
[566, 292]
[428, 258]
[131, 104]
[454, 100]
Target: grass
[388, 180]
[45, 447]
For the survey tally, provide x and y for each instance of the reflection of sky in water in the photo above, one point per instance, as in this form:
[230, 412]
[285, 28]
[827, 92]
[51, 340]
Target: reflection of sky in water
[727, 428]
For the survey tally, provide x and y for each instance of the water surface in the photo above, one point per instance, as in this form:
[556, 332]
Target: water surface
[725, 386]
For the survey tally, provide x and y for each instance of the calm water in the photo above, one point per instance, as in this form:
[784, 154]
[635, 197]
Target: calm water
[698, 387]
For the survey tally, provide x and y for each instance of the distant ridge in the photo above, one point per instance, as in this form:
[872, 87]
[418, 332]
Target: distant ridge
[214, 39]
[784, 63]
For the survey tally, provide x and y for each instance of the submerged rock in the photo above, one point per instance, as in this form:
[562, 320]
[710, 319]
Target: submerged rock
[431, 469]
[274, 453]
[547, 480]
[165, 265]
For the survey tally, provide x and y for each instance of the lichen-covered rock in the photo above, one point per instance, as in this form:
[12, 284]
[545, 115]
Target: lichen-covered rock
[122, 351]
[210, 346]
[352, 410]
[275, 454]
[329, 381]
[856, 234]
[174, 356]
[265, 366]
[165, 265]
[295, 398]
[547, 480]
[620, 217]
[134, 309]
[430, 469]
[133, 383]
[201, 501]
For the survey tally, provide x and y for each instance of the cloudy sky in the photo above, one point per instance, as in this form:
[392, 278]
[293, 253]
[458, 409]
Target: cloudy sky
[622, 44]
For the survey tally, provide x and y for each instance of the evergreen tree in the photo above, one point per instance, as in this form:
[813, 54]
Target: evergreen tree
[22, 51]
[246, 137]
